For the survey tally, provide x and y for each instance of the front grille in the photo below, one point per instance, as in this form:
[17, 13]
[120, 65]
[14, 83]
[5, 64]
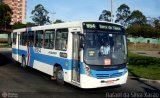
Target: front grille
[116, 75]
[102, 76]
[112, 75]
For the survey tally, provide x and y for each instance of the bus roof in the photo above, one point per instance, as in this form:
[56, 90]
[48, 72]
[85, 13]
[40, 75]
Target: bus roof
[59, 25]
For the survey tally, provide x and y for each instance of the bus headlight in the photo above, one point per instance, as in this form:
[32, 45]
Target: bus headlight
[87, 70]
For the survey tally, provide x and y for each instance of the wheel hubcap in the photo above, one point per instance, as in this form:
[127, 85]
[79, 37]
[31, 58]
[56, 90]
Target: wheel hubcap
[60, 75]
[23, 62]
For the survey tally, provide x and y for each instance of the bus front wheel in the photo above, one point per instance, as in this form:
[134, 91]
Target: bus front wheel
[23, 64]
[59, 75]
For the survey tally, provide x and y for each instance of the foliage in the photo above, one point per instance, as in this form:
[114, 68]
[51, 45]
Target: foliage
[137, 17]
[105, 16]
[156, 23]
[144, 66]
[139, 60]
[148, 31]
[5, 15]
[137, 24]
[133, 30]
[144, 30]
[30, 24]
[18, 25]
[123, 12]
[40, 15]
[158, 33]
[5, 46]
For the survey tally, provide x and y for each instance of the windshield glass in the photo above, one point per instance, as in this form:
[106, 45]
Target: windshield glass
[104, 48]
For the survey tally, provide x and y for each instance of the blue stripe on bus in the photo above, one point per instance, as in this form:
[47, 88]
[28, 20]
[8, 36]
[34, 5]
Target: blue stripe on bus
[44, 58]
[29, 29]
[82, 68]
[15, 51]
[20, 52]
[52, 60]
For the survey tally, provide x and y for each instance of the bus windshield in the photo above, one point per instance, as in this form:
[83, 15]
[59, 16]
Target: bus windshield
[104, 48]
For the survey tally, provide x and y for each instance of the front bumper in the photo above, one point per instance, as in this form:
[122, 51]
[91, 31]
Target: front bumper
[91, 82]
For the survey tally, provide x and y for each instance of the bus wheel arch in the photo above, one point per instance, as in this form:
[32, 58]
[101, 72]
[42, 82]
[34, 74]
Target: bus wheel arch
[59, 74]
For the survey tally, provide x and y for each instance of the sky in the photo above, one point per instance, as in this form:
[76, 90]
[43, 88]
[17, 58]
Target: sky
[77, 10]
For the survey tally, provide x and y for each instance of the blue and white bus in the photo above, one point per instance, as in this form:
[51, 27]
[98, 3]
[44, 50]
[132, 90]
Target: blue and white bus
[72, 52]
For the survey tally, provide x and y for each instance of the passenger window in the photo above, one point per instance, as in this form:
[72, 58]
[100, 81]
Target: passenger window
[14, 38]
[39, 39]
[49, 39]
[31, 38]
[61, 39]
[23, 39]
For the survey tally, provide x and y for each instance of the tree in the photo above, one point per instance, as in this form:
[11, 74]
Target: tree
[143, 30]
[58, 21]
[133, 30]
[137, 17]
[158, 33]
[148, 31]
[123, 12]
[18, 25]
[30, 24]
[156, 23]
[5, 15]
[105, 16]
[40, 15]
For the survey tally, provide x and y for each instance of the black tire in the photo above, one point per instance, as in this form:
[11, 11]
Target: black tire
[23, 64]
[59, 76]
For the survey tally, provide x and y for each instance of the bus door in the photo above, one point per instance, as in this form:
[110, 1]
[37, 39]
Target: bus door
[75, 58]
[15, 45]
[18, 43]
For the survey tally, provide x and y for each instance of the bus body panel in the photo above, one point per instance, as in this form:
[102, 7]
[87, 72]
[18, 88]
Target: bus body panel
[15, 48]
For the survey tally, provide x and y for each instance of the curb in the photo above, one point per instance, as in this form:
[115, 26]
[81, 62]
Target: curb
[5, 49]
[145, 80]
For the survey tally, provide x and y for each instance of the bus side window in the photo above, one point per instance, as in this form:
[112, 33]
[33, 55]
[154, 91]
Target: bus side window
[39, 39]
[23, 38]
[14, 38]
[61, 39]
[49, 39]
[31, 38]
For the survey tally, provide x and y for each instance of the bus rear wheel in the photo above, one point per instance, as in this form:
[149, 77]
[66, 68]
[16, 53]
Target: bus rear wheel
[23, 64]
[59, 76]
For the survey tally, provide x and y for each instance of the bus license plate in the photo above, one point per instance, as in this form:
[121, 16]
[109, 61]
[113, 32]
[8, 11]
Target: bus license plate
[110, 81]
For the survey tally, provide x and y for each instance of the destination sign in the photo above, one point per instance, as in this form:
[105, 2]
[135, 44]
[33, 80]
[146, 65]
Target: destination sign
[102, 26]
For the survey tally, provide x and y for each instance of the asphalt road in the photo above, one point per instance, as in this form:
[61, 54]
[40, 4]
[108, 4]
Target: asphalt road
[18, 82]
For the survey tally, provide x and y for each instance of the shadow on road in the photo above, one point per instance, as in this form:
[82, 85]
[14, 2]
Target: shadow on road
[4, 60]
[150, 88]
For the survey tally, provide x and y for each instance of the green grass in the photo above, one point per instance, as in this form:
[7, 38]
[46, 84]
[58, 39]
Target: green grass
[150, 72]
[5, 46]
[144, 66]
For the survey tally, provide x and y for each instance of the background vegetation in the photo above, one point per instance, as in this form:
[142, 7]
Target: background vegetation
[136, 23]
[5, 16]
[143, 66]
